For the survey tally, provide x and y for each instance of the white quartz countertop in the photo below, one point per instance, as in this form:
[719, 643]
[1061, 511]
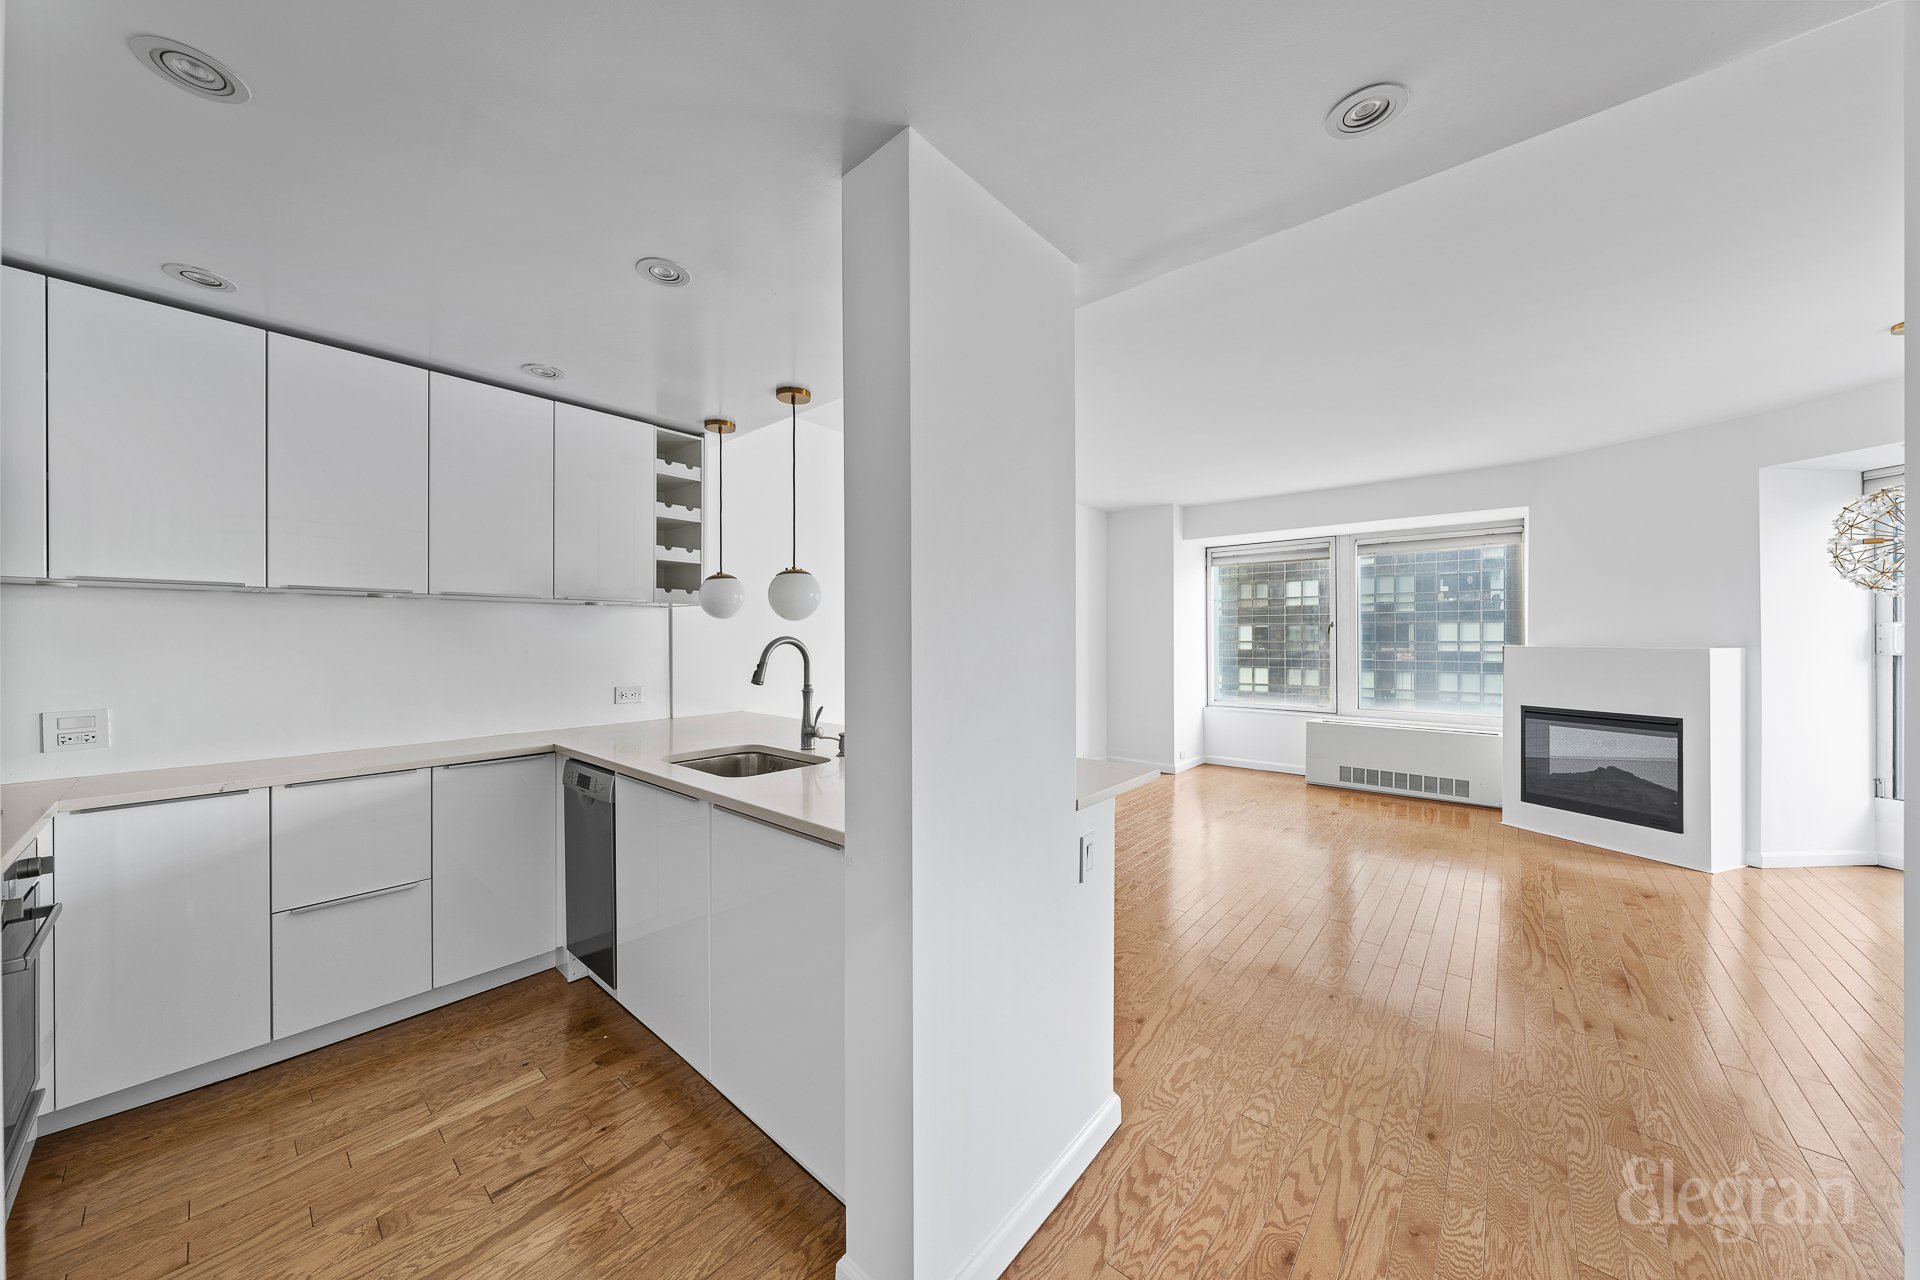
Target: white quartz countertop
[810, 801]
[1104, 779]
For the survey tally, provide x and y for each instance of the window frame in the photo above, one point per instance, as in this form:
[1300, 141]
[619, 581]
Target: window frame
[1344, 551]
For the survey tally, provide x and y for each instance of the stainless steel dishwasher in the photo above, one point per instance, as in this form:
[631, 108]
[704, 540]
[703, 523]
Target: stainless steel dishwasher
[587, 795]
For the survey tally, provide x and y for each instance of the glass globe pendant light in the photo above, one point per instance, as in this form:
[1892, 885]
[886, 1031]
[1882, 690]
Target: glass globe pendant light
[794, 593]
[1869, 543]
[722, 594]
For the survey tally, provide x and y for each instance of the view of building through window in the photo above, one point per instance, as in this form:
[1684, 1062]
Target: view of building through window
[1430, 617]
[1270, 641]
[1434, 620]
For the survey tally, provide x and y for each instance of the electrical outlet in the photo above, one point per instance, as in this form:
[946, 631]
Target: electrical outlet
[624, 694]
[75, 730]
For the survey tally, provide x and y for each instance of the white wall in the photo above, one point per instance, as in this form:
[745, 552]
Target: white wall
[1656, 542]
[1090, 632]
[961, 668]
[195, 677]
[713, 657]
[1141, 661]
[1815, 678]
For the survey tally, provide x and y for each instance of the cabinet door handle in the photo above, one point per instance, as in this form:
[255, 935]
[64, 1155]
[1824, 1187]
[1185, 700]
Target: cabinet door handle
[148, 804]
[19, 963]
[475, 764]
[351, 777]
[354, 897]
[382, 591]
[164, 582]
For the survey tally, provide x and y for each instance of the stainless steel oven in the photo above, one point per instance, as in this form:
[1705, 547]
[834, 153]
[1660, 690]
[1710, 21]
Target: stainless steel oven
[27, 913]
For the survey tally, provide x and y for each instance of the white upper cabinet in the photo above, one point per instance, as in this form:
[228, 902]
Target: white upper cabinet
[492, 486]
[346, 469]
[156, 441]
[23, 424]
[603, 478]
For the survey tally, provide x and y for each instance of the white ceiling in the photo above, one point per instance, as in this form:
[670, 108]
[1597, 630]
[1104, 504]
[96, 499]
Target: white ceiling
[1727, 244]
[466, 182]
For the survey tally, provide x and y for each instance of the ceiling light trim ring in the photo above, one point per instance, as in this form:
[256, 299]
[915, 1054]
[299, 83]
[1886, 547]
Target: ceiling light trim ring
[663, 271]
[176, 63]
[548, 372]
[198, 277]
[1368, 110]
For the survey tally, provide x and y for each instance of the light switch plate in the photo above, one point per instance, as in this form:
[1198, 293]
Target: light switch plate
[624, 694]
[75, 730]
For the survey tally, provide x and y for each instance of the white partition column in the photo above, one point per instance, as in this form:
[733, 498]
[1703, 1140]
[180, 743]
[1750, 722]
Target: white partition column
[975, 1092]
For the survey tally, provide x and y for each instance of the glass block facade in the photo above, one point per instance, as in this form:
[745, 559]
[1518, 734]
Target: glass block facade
[1270, 641]
[1432, 623]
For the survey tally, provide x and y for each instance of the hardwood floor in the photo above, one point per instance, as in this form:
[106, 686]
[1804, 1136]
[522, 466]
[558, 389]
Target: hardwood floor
[535, 1130]
[1356, 1036]
[1362, 1036]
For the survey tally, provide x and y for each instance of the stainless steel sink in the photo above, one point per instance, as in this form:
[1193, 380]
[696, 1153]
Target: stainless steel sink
[744, 762]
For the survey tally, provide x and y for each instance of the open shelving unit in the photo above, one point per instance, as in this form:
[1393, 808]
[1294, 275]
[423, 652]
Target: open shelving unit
[678, 545]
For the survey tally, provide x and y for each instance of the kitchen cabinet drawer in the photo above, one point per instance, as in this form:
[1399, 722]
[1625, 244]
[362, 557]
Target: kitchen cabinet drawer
[662, 869]
[491, 477]
[339, 958]
[164, 940]
[23, 424]
[156, 441]
[779, 987]
[338, 838]
[346, 469]
[495, 865]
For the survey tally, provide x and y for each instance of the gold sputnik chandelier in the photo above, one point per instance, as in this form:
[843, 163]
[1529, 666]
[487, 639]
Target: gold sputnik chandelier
[1868, 546]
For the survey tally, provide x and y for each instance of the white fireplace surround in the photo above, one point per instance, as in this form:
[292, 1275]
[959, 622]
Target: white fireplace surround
[1702, 688]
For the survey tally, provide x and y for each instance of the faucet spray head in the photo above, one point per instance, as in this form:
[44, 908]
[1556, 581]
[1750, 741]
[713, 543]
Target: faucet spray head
[760, 672]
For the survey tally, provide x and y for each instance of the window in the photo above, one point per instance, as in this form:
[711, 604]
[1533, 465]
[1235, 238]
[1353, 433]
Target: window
[1435, 614]
[1272, 607]
[1431, 615]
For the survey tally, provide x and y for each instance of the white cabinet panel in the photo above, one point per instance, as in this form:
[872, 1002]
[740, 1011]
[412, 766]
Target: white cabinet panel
[495, 865]
[603, 506]
[492, 485]
[156, 441]
[346, 469]
[350, 835]
[779, 987]
[344, 957]
[164, 955]
[661, 878]
[23, 424]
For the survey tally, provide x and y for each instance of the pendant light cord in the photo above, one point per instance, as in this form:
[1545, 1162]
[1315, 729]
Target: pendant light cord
[793, 479]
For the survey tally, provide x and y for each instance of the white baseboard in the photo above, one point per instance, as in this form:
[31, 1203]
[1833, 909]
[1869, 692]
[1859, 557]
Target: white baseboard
[1185, 765]
[848, 1269]
[280, 1050]
[1814, 858]
[1897, 860]
[998, 1250]
[1265, 766]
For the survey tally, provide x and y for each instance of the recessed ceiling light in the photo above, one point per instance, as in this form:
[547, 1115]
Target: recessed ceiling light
[200, 276]
[1365, 110]
[662, 271]
[546, 371]
[189, 68]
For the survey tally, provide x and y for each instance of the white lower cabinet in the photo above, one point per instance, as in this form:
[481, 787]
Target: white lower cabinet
[164, 956]
[495, 865]
[778, 987]
[661, 878]
[334, 959]
[343, 836]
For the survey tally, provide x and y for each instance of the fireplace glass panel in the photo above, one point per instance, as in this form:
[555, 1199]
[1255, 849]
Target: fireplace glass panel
[1625, 768]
